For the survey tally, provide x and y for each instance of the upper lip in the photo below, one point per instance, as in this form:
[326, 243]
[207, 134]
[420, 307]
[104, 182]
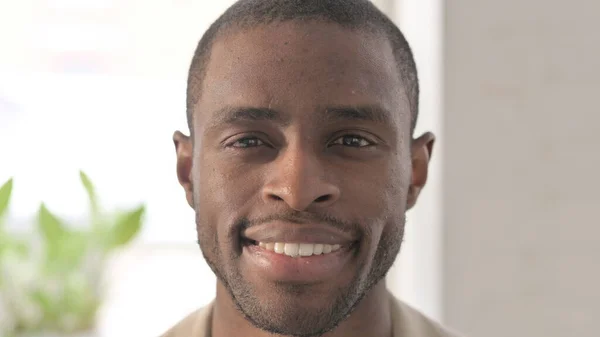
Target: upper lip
[279, 231]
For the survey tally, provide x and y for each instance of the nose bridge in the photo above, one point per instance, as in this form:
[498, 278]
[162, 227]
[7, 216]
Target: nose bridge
[299, 178]
[301, 167]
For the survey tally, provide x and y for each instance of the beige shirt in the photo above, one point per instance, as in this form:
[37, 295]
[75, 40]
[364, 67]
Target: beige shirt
[406, 322]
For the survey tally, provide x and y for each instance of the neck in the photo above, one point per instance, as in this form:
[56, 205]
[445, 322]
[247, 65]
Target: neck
[372, 317]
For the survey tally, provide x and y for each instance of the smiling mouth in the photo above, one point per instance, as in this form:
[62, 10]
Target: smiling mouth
[297, 250]
[290, 252]
[297, 262]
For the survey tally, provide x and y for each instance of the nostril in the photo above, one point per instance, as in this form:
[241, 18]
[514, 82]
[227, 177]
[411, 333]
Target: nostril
[323, 198]
[276, 197]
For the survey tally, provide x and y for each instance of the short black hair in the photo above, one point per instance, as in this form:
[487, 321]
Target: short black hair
[351, 14]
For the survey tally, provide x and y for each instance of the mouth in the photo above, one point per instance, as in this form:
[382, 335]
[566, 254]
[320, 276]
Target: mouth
[297, 254]
[296, 250]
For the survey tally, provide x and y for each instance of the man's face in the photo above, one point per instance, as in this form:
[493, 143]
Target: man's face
[302, 146]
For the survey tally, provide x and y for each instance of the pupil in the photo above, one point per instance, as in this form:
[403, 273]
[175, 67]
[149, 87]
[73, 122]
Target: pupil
[249, 142]
[351, 141]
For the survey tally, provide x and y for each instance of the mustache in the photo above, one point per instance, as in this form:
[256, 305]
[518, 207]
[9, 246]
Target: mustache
[300, 217]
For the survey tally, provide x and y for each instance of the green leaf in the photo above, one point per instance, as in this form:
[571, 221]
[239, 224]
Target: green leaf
[55, 236]
[73, 249]
[68, 252]
[50, 226]
[126, 228]
[46, 303]
[8, 243]
[90, 190]
[5, 192]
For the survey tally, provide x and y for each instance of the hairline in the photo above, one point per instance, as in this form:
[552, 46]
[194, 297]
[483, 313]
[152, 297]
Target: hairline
[231, 28]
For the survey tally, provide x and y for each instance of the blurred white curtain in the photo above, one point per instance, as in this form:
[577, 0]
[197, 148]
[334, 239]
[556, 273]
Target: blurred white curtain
[418, 274]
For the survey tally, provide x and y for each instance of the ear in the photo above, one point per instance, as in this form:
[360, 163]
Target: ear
[421, 150]
[184, 149]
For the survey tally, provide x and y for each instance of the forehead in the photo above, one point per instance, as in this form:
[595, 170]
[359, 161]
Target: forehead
[301, 68]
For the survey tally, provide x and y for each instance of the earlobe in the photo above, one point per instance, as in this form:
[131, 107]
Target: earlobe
[184, 151]
[422, 149]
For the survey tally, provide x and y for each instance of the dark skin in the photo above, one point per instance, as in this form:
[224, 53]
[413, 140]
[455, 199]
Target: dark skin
[328, 134]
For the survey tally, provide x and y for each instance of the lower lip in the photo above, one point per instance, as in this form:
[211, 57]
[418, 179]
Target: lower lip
[283, 268]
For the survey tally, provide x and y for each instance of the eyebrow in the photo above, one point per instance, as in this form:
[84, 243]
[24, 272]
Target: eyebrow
[234, 115]
[370, 113]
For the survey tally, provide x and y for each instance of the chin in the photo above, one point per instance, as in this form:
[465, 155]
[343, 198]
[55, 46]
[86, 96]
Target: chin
[295, 309]
[293, 318]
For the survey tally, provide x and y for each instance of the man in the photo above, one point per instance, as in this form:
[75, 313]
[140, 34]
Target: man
[300, 167]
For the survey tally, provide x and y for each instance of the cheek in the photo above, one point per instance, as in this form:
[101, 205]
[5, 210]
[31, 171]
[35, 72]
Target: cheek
[224, 192]
[379, 195]
[395, 195]
[381, 200]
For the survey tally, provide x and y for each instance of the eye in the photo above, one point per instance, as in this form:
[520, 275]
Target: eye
[352, 141]
[247, 142]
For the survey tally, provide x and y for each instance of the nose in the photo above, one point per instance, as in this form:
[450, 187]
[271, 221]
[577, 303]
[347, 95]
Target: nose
[298, 178]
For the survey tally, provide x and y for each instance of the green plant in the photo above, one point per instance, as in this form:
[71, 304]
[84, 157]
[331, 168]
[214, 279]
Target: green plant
[50, 281]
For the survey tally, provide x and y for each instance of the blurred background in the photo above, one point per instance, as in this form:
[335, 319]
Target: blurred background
[504, 242]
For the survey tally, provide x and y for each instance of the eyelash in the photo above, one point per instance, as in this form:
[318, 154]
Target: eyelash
[246, 138]
[261, 143]
[353, 137]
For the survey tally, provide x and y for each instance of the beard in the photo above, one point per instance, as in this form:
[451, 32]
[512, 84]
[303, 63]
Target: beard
[280, 312]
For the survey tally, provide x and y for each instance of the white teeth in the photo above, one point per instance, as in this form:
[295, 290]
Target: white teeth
[306, 249]
[299, 249]
[291, 249]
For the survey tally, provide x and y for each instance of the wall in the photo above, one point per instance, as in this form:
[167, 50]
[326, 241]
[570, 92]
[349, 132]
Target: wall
[521, 162]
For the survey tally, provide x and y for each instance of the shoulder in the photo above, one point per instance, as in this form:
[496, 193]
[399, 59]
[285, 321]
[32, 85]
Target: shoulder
[408, 321]
[194, 325]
